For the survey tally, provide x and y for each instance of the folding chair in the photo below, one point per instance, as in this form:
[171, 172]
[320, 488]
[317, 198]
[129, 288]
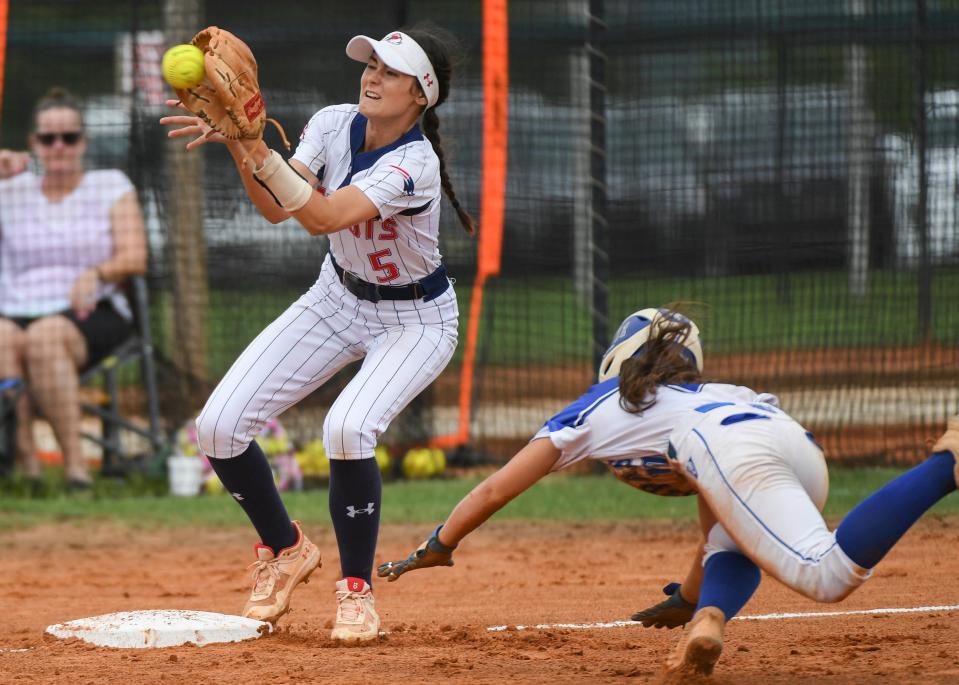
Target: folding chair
[116, 457]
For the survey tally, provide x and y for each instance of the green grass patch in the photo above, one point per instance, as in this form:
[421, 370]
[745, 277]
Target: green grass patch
[557, 498]
[543, 320]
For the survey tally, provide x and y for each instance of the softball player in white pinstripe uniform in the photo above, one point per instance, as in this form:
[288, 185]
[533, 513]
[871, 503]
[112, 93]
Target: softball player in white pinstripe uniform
[370, 177]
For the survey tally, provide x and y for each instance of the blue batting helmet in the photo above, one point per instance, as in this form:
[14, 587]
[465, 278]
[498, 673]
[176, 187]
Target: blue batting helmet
[633, 333]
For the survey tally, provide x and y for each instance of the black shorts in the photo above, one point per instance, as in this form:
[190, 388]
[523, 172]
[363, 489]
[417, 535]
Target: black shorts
[104, 330]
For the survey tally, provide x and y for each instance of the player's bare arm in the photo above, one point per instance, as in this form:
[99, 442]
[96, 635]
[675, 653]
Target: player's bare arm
[527, 467]
[344, 208]
[689, 589]
[288, 190]
[681, 598]
[245, 153]
[694, 578]
[319, 215]
[520, 473]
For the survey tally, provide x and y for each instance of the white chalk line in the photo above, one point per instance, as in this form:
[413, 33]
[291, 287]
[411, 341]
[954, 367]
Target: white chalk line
[758, 617]
[20, 649]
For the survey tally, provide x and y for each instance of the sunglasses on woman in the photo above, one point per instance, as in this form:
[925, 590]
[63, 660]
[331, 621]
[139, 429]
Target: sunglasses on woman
[68, 137]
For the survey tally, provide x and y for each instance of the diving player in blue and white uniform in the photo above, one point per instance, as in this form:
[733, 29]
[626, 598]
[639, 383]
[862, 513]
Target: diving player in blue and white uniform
[760, 478]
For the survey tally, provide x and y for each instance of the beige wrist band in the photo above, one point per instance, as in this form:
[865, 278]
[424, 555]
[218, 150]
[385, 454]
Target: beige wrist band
[288, 188]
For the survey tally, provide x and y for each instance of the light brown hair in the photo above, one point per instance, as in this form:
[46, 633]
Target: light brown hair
[56, 98]
[663, 360]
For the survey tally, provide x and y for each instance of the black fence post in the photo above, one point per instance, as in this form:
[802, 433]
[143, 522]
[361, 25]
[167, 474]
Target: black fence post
[595, 48]
[922, 201]
[782, 72]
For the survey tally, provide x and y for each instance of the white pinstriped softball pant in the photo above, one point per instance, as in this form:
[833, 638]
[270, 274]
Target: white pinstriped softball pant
[406, 344]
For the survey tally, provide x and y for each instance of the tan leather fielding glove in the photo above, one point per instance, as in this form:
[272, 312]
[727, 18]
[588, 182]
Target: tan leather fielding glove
[228, 100]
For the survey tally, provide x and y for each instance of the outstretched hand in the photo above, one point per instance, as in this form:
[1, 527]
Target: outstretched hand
[13, 163]
[431, 553]
[190, 125]
[672, 612]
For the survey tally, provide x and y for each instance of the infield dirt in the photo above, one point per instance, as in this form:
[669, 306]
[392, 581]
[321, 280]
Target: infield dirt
[507, 573]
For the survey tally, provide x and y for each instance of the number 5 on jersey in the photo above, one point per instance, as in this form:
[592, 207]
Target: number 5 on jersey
[389, 269]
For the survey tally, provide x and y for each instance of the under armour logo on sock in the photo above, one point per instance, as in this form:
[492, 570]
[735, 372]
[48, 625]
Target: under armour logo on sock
[237, 496]
[352, 511]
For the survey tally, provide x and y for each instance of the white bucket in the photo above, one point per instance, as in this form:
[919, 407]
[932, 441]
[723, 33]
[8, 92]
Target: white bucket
[186, 475]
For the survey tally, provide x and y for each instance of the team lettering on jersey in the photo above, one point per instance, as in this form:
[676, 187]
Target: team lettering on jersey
[367, 229]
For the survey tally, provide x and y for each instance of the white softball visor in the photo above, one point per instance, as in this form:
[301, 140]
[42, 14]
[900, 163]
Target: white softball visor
[398, 51]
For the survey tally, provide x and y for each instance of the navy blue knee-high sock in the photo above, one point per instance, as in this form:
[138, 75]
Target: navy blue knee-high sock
[356, 490]
[249, 478]
[729, 580]
[871, 529]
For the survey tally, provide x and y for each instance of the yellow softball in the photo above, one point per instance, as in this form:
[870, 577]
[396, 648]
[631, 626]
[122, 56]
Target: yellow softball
[183, 66]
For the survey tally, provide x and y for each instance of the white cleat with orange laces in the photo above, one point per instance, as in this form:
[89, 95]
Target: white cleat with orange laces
[275, 576]
[356, 619]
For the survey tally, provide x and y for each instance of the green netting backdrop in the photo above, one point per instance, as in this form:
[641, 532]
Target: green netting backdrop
[789, 170]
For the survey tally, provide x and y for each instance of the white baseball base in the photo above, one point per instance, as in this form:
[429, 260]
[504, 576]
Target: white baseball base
[160, 628]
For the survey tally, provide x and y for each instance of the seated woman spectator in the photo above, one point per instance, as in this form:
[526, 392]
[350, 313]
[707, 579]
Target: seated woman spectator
[68, 238]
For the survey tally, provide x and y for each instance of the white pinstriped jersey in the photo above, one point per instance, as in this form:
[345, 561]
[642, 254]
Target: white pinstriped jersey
[401, 179]
[404, 344]
[596, 427]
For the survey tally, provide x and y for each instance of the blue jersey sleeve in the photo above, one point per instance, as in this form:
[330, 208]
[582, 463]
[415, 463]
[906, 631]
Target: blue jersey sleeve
[576, 413]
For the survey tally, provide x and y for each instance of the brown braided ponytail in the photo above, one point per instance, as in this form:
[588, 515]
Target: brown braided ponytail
[439, 46]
